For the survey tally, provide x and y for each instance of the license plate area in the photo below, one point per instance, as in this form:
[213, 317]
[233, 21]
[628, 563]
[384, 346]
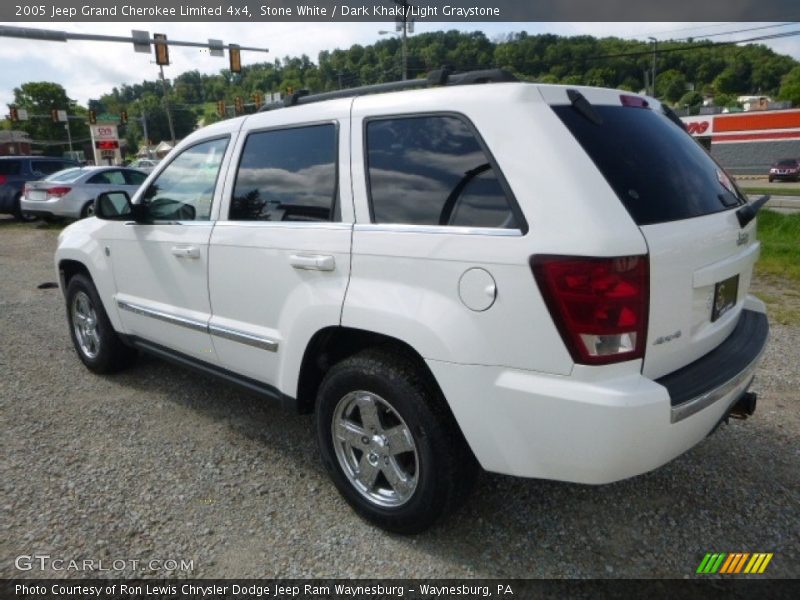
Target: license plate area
[725, 294]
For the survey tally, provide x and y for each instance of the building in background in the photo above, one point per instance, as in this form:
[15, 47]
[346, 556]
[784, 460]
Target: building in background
[747, 143]
[14, 143]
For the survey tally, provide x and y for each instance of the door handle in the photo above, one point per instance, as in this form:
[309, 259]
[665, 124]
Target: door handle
[312, 262]
[186, 251]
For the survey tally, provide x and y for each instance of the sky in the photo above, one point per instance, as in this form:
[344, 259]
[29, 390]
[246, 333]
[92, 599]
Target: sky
[90, 69]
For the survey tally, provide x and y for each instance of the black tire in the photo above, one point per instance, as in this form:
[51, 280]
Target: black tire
[87, 210]
[95, 340]
[771, 179]
[18, 214]
[445, 468]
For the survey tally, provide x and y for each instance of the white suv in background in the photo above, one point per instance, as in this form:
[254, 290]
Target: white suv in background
[545, 281]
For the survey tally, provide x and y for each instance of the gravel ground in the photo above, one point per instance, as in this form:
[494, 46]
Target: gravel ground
[160, 463]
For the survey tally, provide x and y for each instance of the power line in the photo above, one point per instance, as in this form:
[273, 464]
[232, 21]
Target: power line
[705, 36]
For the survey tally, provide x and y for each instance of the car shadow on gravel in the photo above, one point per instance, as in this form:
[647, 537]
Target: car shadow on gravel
[717, 497]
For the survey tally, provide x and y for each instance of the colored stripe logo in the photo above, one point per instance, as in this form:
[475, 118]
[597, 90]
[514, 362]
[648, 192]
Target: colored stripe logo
[734, 562]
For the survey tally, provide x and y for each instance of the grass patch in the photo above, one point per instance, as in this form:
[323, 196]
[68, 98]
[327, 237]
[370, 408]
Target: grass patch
[780, 245]
[777, 273]
[772, 191]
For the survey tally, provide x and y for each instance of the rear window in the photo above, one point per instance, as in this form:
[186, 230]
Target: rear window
[658, 172]
[10, 167]
[65, 175]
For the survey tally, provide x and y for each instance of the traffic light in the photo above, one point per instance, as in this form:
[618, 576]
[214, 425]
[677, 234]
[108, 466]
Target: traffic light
[92, 117]
[13, 114]
[235, 55]
[161, 48]
[221, 110]
[123, 117]
[257, 99]
[54, 115]
[238, 104]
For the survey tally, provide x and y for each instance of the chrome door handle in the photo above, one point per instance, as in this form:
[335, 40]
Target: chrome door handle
[312, 262]
[186, 251]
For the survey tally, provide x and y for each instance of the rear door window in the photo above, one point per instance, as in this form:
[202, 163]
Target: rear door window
[659, 173]
[432, 170]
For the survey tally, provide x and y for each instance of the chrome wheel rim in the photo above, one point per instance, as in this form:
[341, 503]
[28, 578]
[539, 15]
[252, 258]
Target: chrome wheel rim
[375, 449]
[84, 323]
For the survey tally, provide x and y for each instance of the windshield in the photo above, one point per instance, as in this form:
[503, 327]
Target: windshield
[658, 171]
[786, 163]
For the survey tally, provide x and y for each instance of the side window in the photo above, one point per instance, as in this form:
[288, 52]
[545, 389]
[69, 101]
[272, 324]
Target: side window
[108, 178]
[184, 190]
[10, 167]
[287, 175]
[431, 170]
[134, 177]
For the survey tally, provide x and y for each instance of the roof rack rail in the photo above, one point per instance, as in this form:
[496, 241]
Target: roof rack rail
[439, 77]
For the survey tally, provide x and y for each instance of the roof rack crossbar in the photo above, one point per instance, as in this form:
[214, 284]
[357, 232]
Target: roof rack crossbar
[439, 77]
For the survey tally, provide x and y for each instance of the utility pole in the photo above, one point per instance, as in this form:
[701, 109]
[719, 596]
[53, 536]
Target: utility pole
[655, 50]
[146, 137]
[69, 138]
[166, 105]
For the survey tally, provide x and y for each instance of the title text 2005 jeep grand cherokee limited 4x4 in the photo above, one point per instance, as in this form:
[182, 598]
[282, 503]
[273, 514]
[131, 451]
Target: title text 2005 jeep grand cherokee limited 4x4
[545, 281]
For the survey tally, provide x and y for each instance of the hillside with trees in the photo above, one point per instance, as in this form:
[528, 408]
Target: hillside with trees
[687, 71]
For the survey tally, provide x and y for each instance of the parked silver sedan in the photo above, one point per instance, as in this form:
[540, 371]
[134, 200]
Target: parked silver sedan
[70, 193]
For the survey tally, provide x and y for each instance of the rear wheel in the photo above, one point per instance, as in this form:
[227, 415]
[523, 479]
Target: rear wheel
[389, 442]
[93, 336]
[87, 210]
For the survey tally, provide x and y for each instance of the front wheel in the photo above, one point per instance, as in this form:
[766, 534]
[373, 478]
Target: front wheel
[389, 442]
[93, 336]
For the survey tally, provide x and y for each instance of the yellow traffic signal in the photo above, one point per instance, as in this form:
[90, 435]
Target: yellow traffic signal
[13, 114]
[235, 55]
[257, 99]
[238, 104]
[161, 48]
[221, 108]
[123, 117]
[54, 115]
[92, 117]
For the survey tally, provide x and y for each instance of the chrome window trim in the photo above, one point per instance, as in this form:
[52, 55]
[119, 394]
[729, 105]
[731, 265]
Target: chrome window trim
[286, 224]
[195, 325]
[438, 229]
[249, 339]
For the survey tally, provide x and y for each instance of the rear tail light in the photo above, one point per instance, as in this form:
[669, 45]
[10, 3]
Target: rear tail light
[634, 101]
[57, 192]
[3, 179]
[599, 305]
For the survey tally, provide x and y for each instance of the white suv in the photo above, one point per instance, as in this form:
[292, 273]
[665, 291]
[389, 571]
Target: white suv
[545, 281]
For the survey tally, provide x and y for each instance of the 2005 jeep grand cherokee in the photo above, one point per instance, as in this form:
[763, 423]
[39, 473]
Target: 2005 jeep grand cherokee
[542, 281]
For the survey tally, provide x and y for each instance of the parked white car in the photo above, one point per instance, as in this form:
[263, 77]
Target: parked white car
[71, 193]
[545, 281]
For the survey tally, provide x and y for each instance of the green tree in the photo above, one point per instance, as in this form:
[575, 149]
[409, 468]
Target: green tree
[39, 98]
[790, 86]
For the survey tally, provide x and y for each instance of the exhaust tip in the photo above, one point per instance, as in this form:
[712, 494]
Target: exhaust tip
[745, 406]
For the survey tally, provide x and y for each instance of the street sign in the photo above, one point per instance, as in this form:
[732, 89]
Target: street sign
[216, 48]
[62, 116]
[141, 41]
[22, 114]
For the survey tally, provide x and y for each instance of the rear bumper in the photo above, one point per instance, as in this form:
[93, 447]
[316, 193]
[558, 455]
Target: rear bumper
[54, 207]
[597, 425]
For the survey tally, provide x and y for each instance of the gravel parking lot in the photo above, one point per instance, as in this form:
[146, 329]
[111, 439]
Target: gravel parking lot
[160, 463]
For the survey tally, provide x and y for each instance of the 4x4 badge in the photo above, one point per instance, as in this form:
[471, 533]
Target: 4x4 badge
[667, 338]
[742, 238]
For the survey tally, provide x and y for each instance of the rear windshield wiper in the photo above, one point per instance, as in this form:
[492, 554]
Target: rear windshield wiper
[583, 106]
[748, 212]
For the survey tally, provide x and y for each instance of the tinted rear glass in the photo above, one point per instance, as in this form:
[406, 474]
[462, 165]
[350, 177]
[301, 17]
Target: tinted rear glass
[10, 167]
[658, 171]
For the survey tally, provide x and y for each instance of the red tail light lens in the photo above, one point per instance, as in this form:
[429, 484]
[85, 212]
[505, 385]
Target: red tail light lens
[57, 192]
[3, 179]
[599, 305]
[634, 101]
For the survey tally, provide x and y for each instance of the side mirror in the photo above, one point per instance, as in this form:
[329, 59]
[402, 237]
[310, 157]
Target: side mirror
[115, 206]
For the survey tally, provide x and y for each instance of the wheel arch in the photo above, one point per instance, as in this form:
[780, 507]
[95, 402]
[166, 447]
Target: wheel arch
[331, 345]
